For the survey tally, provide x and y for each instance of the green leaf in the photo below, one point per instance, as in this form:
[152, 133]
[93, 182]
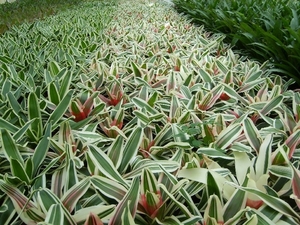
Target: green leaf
[228, 135]
[115, 152]
[296, 184]
[213, 153]
[14, 103]
[10, 148]
[273, 104]
[136, 70]
[236, 203]
[148, 182]
[46, 201]
[53, 93]
[131, 147]
[108, 187]
[54, 68]
[275, 203]
[130, 200]
[18, 170]
[252, 134]
[143, 104]
[55, 215]
[214, 209]
[41, 149]
[72, 196]
[104, 164]
[252, 220]
[93, 220]
[4, 124]
[263, 161]
[21, 132]
[65, 84]
[127, 218]
[60, 109]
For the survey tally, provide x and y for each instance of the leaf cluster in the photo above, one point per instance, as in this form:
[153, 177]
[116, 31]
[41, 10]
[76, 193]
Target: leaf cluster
[265, 30]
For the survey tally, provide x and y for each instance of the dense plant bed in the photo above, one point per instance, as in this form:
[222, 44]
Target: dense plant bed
[29, 10]
[267, 30]
[150, 120]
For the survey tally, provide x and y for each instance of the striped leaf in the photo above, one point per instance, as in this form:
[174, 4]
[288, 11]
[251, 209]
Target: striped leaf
[115, 152]
[292, 142]
[131, 147]
[213, 153]
[171, 83]
[18, 170]
[273, 104]
[108, 187]
[47, 199]
[55, 215]
[214, 209]
[26, 209]
[93, 220]
[143, 104]
[206, 77]
[252, 220]
[281, 171]
[228, 135]
[296, 185]
[130, 200]
[65, 83]
[100, 211]
[154, 166]
[263, 161]
[61, 109]
[148, 182]
[4, 124]
[127, 218]
[72, 196]
[275, 203]
[104, 164]
[235, 204]
[181, 206]
[10, 148]
[41, 149]
[53, 93]
[252, 134]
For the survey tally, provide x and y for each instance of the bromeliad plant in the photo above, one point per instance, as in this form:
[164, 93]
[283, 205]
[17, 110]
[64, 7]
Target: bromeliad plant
[148, 121]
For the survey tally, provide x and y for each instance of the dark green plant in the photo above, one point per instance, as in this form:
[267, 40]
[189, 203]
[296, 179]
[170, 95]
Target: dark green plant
[266, 30]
